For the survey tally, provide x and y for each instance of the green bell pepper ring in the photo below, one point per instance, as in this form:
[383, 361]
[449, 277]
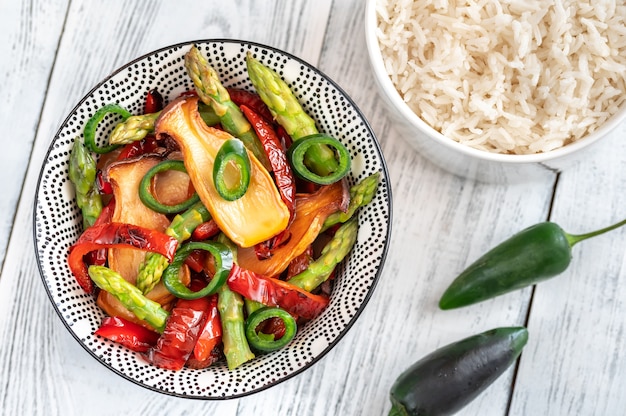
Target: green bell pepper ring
[150, 201]
[234, 152]
[92, 125]
[223, 263]
[535, 254]
[267, 342]
[297, 152]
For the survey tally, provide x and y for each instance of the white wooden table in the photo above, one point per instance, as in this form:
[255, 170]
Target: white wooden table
[54, 51]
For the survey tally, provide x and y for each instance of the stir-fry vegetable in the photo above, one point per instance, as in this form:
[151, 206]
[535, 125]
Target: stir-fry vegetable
[262, 341]
[535, 254]
[233, 184]
[181, 228]
[145, 193]
[131, 297]
[298, 152]
[223, 260]
[82, 173]
[215, 171]
[129, 334]
[92, 125]
[332, 254]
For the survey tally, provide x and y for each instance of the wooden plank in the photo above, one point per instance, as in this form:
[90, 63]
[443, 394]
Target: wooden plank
[44, 370]
[574, 362]
[28, 52]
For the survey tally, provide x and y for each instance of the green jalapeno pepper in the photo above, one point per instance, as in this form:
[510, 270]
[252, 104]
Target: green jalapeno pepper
[223, 263]
[447, 379]
[296, 155]
[150, 201]
[232, 151]
[92, 125]
[537, 253]
[267, 342]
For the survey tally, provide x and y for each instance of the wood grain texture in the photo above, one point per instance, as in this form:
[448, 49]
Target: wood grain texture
[31, 33]
[441, 223]
[575, 360]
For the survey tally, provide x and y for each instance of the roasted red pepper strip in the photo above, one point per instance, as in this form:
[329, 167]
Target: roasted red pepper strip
[283, 175]
[116, 235]
[154, 101]
[181, 333]
[251, 100]
[195, 260]
[148, 145]
[274, 292]
[211, 334]
[265, 249]
[300, 263]
[99, 257]
[205, 231]
[129, 334]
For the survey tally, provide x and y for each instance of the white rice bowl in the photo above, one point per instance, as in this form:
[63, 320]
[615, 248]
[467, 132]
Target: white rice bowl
[514, 77]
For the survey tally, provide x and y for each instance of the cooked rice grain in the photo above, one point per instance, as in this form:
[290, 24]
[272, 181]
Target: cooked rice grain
[510, 76]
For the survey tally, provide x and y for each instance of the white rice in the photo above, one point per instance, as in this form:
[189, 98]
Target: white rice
[508, 76]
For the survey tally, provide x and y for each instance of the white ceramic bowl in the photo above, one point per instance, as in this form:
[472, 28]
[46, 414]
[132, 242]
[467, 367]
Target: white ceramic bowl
[464, 160]
[58, 223]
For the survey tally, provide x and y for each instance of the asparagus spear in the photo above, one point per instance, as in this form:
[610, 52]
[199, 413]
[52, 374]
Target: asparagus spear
[82, 173]
[332, 253]
[236, 348]
[214, 94]
[180, 228]
[361, 194]
[131, 297]
[230, 306]
[288, 112]
[133, 129]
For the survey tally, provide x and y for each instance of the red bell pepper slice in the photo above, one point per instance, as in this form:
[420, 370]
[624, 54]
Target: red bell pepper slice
[211, 334]
[116, 235]
[129, 334]
[182, 330]
[275, 292]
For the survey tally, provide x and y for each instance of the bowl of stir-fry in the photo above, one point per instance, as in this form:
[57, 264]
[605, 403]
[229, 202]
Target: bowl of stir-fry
[212, 218]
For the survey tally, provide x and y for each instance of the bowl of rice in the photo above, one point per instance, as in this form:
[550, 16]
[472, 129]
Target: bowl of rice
[500, 90]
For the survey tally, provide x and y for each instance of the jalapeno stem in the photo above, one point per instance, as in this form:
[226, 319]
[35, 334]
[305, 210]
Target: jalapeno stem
[575, 238]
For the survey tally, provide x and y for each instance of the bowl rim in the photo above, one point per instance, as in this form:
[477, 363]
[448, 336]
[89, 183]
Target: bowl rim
[390, 91]
[385, 180]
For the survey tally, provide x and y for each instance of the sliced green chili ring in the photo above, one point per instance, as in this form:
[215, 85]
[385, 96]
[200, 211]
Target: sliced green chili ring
[264, 342]
[150, 201]
[92, 125]
[298, 149]
[232, 151]
[223, 263]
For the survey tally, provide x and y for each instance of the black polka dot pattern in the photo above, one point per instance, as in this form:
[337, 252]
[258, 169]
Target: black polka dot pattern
[58, 222]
